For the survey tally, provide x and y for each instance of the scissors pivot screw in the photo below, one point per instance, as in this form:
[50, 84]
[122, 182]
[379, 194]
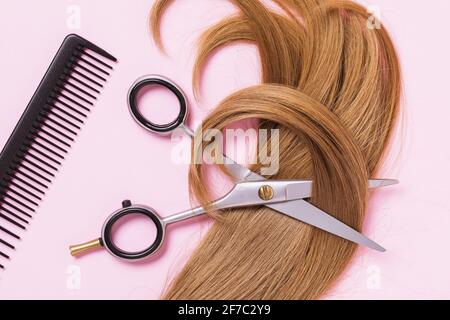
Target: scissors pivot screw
[266, 193]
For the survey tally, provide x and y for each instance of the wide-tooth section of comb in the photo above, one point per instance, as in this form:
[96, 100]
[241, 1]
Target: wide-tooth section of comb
[46, 131]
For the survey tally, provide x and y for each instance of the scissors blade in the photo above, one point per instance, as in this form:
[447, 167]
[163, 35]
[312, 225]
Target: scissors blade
[378, 183]
[296, 189]
[242, 173]
[307, 213]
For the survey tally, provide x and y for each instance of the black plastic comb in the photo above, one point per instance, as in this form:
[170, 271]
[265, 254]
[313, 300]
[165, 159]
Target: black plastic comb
[45, 132]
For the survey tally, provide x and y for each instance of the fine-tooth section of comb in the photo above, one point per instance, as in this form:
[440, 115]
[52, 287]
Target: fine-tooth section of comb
[46, 131]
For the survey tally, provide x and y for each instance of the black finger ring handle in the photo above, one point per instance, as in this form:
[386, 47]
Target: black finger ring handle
[127, 210]
[142, 120]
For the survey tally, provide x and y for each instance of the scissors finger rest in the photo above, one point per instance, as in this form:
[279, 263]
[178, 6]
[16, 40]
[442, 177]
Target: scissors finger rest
[106, 240]
[143, 121]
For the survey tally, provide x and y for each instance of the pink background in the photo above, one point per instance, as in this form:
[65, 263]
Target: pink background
[114, 159]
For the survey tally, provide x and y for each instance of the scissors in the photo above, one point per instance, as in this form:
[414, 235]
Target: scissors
[284, 196]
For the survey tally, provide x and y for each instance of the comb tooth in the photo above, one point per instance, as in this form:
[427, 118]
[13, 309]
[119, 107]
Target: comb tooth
[16, 208]
[23, 165]
[70, 107]
[90, 46]
[6, 210]
[40, 129]
[49, 111]
[45, 133]
[11, 182]
[4, 255]
[23, 158]
[22, 196]
[42, 121]
[31, 147]
[5, 194]
[71, 67]
[88, 71]
[7, 244]
[50, 106]
[94, 58]
[80, 58]
[12, 221]
[37, 135]
[18, 170]
[48, 149]
[61, 94]
[12, 175]
[74, 94]
[67, 77]
[12, 234]
[29, 154]
[48, 118]
[66, 82]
